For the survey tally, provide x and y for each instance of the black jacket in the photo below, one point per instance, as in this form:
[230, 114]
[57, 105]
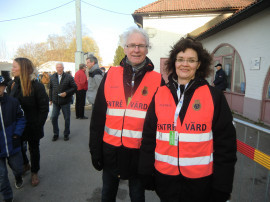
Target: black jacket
[35, 107]
[220, 80]
[67, 85]
[224, 143]
[118, 160]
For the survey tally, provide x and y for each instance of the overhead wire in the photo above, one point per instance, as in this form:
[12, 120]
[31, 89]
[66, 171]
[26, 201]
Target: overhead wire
[38, 13]
[105, 9]
[60, 7]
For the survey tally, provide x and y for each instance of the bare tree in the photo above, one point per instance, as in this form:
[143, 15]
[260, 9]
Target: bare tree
[69, 30]
[58, 48]
[3, 50]
[36, 52]
[88, 45]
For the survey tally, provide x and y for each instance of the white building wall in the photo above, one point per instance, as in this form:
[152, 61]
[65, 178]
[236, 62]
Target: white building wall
[251, 39]
[160, 46]
[166, 31]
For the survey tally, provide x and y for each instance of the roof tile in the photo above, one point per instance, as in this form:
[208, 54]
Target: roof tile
[188, 5]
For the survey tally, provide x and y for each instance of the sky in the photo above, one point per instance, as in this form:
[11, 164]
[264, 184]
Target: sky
[104, 26]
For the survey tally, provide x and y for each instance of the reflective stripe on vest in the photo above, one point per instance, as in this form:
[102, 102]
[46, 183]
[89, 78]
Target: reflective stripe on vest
[191, 151]
[203, 160]
[124, 123]
[128, 133]
[126, 112]
[186, 137]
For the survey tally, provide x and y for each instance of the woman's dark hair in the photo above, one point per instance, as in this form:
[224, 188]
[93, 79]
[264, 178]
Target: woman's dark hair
[203, 57]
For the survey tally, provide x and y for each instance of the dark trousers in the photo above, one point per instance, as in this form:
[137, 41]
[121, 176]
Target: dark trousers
[80, 103]
[33, 145]
[55, 113]
[15, 163]
[110, 188]
[181, 189]
[24, 150]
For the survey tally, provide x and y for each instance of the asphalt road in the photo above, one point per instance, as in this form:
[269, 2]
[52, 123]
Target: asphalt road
[66, 172]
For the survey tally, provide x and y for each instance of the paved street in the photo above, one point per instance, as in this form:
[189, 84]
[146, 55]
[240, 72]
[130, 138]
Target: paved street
[66, 172]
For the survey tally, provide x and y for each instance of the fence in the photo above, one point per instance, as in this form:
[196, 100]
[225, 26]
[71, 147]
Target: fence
[252, 174]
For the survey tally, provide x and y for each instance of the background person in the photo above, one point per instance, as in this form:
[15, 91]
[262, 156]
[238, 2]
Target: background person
[220, 81]
[118, 116]
[12, 126]
[62, 88]
[81, 82]
[189, 141]
[95, 77]
[45, 80]
[35, 104]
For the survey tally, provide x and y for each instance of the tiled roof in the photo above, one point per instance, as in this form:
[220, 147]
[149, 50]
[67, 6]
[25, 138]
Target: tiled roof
[189, 5]
[206, 30]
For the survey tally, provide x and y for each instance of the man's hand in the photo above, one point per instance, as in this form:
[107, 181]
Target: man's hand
[64, 94]
[98, 164]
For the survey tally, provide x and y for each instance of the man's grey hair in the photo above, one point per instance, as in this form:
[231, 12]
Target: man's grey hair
[92, 59]
[133, 30]
[59, 63]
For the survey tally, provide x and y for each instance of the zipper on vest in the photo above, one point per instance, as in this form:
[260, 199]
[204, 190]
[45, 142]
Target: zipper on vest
[178, 154]
[123, 126]
[178, 133]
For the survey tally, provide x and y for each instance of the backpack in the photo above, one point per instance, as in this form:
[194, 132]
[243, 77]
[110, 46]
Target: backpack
[96, 72]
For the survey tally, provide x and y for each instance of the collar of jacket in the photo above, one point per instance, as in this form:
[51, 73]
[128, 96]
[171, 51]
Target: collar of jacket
[220, 70]
[17, 80]
[193, 84]
[94, 68]
[33, 77]
[148, 64]
[63, 75]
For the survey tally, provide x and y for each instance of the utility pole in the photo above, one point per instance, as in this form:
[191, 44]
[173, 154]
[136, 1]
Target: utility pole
[79, 53]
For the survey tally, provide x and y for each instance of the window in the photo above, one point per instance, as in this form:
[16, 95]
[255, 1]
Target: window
[239, 78]
[233, 68]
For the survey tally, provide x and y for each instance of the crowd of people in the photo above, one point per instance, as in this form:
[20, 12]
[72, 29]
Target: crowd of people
[175, 138]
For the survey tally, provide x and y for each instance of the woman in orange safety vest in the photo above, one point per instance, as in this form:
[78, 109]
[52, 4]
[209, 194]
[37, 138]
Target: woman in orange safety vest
[188, 150]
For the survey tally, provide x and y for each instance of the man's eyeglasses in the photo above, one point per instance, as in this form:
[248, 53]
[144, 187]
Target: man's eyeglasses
[133, 46]
[189, 61]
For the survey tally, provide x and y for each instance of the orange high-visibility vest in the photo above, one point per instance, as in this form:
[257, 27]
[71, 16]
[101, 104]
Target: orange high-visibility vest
[190, 151]
[124, 123]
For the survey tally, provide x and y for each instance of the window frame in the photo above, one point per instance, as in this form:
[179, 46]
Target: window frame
[221, 59]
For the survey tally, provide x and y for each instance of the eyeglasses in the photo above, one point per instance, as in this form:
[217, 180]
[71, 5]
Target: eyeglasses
[189, 61]
[133, 46]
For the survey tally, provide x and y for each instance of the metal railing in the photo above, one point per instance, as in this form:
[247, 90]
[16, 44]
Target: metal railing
[252, 174]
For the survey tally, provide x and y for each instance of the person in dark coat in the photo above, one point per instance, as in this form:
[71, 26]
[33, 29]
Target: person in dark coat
[188, 150]
[131, 79]
[220, 81]
[62, 88]
[35, 104]
[11, 128]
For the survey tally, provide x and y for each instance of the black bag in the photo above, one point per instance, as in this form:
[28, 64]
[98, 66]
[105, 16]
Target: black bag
[96, 72]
